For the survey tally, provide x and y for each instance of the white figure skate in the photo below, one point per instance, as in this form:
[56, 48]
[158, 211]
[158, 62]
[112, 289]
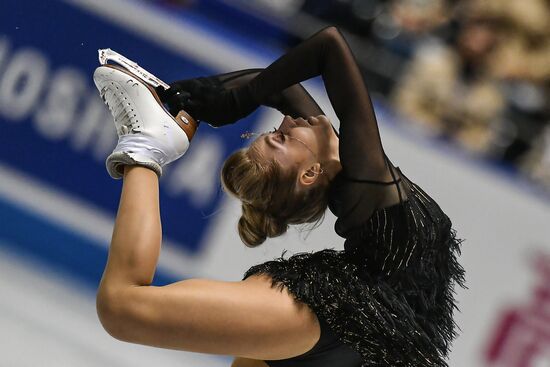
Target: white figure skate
[148, 134]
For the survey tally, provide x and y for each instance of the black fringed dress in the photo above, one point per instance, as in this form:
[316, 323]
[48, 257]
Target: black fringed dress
[387, 298]
[389, 294]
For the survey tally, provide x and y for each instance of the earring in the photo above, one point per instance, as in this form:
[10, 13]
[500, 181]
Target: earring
[248, 135]
[313, 173]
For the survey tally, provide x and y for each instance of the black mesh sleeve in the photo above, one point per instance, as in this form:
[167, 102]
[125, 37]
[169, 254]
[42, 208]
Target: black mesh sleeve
[203, 97]
[294, 100]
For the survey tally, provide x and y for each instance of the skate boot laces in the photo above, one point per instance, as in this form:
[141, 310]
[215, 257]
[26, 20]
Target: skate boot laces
[121, 107]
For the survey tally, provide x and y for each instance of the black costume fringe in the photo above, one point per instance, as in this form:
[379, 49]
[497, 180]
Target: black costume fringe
[404, 321]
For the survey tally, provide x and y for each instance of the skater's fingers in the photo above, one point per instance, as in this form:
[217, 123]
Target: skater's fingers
[190, 85]
[178, 98]
[179, 87]
[176, 108]
[167, 94]
[192, 104]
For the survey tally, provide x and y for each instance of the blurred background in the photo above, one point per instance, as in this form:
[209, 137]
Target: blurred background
[461, 90]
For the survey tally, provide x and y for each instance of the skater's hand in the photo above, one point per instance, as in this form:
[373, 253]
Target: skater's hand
[206, 99]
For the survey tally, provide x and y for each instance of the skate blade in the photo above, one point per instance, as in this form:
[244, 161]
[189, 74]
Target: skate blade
[106, 55]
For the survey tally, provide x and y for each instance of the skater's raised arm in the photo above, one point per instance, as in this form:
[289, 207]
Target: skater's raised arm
[192, 95]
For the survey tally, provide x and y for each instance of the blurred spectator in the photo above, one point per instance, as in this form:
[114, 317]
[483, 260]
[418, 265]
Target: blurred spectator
[397, 24]
[521, 63]
[420, 16]
[536, 164]
[487, 88]
[447, 87]
[403, 25]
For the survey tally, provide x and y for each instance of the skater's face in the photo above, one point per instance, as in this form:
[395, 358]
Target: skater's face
[300, 143]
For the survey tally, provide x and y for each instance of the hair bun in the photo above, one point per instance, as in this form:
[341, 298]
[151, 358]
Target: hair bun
[264, 184]
[255, 226]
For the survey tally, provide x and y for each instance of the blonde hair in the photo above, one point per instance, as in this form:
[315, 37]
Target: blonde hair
[271, 200]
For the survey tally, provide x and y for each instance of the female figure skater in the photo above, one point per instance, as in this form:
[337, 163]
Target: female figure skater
[386, 300]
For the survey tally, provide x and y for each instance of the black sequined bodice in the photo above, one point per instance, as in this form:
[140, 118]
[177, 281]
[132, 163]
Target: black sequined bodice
[398, 237]
[411, 246]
